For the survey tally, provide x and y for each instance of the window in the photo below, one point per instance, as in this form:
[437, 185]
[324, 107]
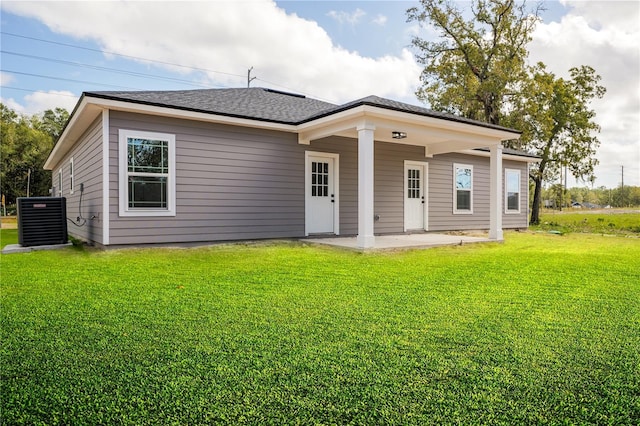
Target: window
[463, 189]
[512, 190]
[147, 173]
[59, 194]
[319, 179]
[71, 176]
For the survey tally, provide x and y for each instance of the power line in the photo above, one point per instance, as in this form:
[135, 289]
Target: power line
[107, 69]
[38, 91]
[68, 79]
[138, 58]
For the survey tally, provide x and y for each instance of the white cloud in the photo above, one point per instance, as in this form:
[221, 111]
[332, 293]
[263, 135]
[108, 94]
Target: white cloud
[351, 18]
[38, 102]
[6, 79]
[229, 37]
[604, 36]
[380, 20]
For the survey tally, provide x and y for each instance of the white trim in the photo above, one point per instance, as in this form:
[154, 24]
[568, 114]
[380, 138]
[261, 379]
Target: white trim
[336, 189]
[60, 182]
[105, 177]
[72, 173]
[421, 129]
[124, 209]
[455, 189]
[506, 191]
[512, 157]
[425, 191]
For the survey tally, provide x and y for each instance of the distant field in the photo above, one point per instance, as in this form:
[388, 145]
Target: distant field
[542, 329]
[9, 222]
[604, 221]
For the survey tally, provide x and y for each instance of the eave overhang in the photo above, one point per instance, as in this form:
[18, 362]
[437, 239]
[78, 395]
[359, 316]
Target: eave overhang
[436, 134]
[90, 107]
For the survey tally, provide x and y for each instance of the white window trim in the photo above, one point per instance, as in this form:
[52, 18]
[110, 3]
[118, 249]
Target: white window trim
[123, 135]
[455, 190]
[506, 192]
[72, 172]
[59, 194]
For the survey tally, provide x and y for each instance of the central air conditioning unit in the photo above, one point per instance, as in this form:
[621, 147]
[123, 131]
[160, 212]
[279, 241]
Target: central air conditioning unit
[42, 221]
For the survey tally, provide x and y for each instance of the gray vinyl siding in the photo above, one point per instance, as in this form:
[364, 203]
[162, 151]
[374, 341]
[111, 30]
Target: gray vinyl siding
[87, 166]
[389, 161]
[237, 183]
[232, 183]
[441, 216]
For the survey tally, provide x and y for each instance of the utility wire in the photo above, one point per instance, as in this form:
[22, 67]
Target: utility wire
[69, 79]
[38, 91]
[107, 69]
[138, 58]
[155, 61]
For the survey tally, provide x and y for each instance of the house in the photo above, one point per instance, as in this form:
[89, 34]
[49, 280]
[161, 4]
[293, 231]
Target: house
[151, 167]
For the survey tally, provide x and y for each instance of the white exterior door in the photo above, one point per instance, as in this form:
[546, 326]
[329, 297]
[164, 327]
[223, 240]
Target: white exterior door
[321, 193]
[415, 196]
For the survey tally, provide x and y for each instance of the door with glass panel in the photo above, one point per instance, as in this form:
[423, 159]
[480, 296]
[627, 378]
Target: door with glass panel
[321, 196]
[415, 196]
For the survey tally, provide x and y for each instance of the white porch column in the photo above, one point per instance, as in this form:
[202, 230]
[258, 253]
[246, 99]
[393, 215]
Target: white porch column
[495, 193]
[366, 238]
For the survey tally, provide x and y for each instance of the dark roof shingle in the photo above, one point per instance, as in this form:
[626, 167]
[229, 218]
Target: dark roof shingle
[254, 103]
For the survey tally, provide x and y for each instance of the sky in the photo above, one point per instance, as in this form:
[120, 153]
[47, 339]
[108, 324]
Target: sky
[336, 51]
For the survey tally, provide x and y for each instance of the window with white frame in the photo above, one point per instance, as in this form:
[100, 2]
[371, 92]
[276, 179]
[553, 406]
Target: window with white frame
[147, 173]
[462, 189]
[59, 194]
[512, 190]
[71, 176]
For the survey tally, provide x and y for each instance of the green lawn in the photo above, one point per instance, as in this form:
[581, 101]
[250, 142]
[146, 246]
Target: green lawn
[592, 221]
[543, 329]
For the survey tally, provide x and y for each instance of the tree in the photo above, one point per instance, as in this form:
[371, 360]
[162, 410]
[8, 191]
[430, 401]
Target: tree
[26, 144]
[478, 69]
[53, 122]
[478, 64]
[557, 125]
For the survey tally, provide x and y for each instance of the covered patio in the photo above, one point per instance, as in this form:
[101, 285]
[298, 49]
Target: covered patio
[404, 241]
[375, 119]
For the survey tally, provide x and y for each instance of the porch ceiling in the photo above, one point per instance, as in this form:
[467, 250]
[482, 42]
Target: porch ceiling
[438, 136]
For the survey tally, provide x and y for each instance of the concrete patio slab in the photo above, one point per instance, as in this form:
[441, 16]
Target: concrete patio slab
[408, 241]
[17, 248]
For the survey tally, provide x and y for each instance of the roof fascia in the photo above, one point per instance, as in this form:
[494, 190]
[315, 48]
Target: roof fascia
[319, 127]
[62, 141]
[168, 111]
[514, 157]
[89, 107]
[413, 113]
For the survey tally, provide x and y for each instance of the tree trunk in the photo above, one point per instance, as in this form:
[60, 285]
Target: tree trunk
[535, 207]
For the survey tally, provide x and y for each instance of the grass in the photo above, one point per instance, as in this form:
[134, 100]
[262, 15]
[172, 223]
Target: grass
[593, 222]
[543, 329]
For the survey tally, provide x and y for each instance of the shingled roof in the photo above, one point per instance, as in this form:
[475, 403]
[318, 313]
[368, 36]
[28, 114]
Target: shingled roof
[253, 103]
[268, 105]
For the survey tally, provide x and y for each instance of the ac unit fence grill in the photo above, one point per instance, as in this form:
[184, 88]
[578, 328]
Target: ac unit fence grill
[42, 221]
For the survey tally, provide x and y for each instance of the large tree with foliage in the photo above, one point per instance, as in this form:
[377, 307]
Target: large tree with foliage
[26, 141]
[477, 64]
[478, 69]
[557, 124]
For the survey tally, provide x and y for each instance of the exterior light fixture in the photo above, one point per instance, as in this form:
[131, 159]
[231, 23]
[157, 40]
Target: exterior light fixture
[398, 135]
